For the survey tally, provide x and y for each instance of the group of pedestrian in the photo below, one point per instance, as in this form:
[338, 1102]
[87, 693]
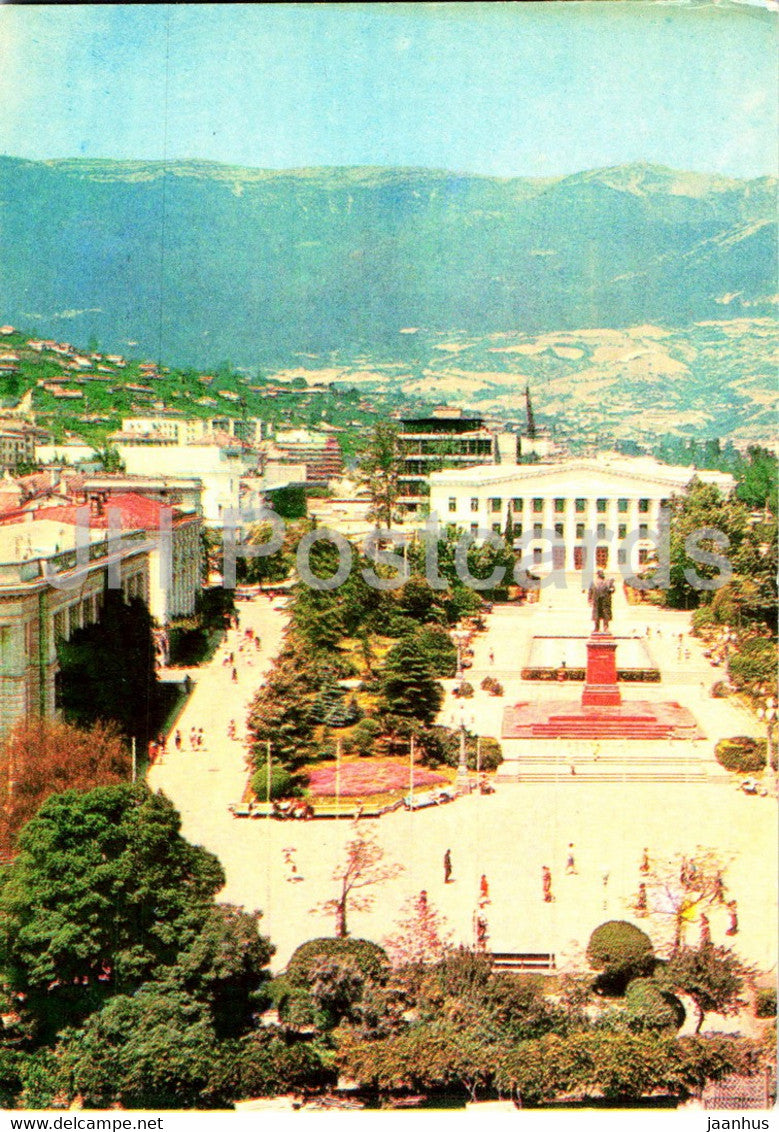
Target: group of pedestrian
[196, 739]
[157, 750]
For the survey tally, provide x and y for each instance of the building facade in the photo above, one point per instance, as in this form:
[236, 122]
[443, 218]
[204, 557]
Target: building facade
[174, 545]
[45, 594]
[609, 506]
[448, 438]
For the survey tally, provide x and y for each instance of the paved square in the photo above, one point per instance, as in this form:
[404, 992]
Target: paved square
[610, 800]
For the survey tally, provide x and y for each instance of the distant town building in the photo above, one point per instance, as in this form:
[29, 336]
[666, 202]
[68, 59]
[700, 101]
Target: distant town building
[318, 451]
[611, 498]
[447, 438]
[17, 442]
[171, 427]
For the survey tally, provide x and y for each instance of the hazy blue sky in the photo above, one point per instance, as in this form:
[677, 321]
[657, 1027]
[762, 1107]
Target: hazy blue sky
[507, 89]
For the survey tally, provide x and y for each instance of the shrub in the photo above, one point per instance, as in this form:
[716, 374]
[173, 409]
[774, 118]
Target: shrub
[282, 783]
[754, 663]
[463, 689]
[622, 952]
[364, 736]
[371, 959]
[742, 754]
[720, 689]
[703, 618]
[765, 1006]
[491, 685]
[264, 1065]
[649, 1007]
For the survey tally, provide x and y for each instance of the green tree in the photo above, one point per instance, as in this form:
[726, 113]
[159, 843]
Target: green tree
[407, 683]
[380, 467]
[703, 507]
[283, 711]
[103, 892]
[155, 1049]
[712, 976]
[225, 967]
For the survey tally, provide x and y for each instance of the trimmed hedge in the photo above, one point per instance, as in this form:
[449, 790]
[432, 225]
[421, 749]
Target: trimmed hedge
[372, 960]
[282, 783]
[742, 754]
[622, 952]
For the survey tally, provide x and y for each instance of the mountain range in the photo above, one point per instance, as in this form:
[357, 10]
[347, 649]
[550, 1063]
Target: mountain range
[194, 263]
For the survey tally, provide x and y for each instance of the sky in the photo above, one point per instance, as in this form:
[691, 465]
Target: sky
[499, 89]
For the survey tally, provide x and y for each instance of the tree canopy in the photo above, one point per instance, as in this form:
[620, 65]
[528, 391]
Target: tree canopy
[105, 894]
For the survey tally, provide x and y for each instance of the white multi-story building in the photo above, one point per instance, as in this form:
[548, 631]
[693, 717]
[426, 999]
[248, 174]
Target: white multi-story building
[610, 503]
[46, 592]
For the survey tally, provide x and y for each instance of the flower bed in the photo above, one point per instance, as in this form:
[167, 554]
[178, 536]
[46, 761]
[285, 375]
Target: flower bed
[365, 777]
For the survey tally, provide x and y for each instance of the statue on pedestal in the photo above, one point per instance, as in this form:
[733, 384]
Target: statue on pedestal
[599, 596]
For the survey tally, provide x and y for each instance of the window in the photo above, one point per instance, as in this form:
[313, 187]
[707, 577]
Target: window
[452, 504]
[474, 505]
[496, 528]
[580, 530]
[622, 531]
[517, 504]
[622, 506]
[600, 506]
[643, 506]
[622, 556]
[558, 530]
[559, 506]
[517, 530]
[495, 505]
[537, 555]
[601, 530]
[537, 528]
[643, 530]
[474, 528]
[538, 506]
[581, 506]
[643, 556]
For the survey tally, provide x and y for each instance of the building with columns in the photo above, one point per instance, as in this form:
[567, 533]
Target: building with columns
[609, 503]
[47, 590]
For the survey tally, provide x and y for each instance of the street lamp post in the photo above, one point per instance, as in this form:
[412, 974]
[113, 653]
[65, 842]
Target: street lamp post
[769, 714]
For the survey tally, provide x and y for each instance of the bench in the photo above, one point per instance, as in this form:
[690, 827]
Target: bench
[523, 961]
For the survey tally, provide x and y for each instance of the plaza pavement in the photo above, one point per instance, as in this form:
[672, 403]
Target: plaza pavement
[608, 814]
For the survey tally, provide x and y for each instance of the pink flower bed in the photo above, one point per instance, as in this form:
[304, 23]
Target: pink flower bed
[370, 776]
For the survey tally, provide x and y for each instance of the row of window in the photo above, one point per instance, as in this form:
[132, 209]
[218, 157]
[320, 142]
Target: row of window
[600, 530]
[560, 505]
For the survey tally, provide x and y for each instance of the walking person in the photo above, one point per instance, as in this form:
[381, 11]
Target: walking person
[644, 866]
[733, 912]
[570, 863]
[447, 866]
[546, 884]
[484, 891]
[177, 740]
[641, 900]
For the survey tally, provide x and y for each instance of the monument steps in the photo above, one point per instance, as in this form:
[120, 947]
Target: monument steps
[626, 776]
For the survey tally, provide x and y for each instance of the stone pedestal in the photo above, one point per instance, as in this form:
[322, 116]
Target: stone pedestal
[601, 688]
